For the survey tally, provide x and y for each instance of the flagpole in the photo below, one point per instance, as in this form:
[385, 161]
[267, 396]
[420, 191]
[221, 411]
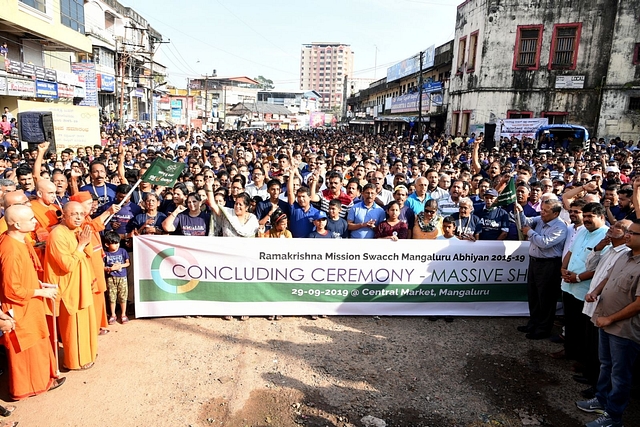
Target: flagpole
[124, 199]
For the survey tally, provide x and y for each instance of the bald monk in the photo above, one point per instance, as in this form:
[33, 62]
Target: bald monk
[15, 198]
[46, 210]
[96, 253]
[68, 266]
[32, 364]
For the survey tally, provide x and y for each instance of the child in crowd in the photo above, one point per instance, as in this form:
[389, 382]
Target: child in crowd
[279, 223]
[336, 225]
[448, 229]
[320, 222]
[116, 261]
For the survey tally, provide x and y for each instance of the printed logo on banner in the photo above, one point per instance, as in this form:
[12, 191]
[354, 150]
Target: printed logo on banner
[176, 263]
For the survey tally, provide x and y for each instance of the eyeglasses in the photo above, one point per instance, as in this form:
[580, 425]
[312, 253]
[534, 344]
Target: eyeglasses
[430, 212]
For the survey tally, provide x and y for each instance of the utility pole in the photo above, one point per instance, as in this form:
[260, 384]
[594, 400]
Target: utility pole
[420, 99]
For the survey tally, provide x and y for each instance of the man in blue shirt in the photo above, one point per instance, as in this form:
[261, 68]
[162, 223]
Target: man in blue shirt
[494, 219]
[547, 234]
[301, 209]
[364, 216]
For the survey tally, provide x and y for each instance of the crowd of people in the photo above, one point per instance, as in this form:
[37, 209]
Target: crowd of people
[73, 214]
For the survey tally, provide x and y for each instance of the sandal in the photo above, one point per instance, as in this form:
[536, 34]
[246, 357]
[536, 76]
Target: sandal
[278, 317]
[314, 317]
[57, 383]
[244, 318]
[112, 320]
[5, 411]
[87, 366]
[228, 317]
[271, 318]
[103, 331]
[124, 319]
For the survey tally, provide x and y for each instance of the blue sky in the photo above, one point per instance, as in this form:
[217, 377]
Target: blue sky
[252, 38]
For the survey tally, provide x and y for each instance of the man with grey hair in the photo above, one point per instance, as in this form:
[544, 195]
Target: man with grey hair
[546, 234]
[6, 186]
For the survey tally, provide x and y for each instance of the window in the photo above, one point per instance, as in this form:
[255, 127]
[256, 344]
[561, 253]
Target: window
[72, 14]
[462, 48]
[564, 46]
[513, 114]
[466, 121]
[636, 54]
[39, 5]
[473, 48]
[528, 43]
[634, 103]
[454, 122]
[556, 118]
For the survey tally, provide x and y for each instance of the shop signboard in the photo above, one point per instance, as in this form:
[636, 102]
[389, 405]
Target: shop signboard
[46, 89]
[20, 87]
[87, 72]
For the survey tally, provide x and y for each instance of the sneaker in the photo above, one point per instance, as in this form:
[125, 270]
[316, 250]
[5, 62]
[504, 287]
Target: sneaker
[591, 405]
[604, 421]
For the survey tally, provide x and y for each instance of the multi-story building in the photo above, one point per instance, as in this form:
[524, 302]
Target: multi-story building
[323, 68]
[302, 102]
[391, 104]
[42, 38]
[215, 96]
[570, 62]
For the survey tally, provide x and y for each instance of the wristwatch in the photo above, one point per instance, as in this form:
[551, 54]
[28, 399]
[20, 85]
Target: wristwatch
[578, 278]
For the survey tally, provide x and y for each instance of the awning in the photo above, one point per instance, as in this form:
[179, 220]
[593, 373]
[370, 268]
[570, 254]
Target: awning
[361, 122]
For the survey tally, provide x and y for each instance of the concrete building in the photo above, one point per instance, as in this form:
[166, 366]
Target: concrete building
[323, 67]
[302, 102]
[213, 98]
[42, 39]
[391, 104]
[569, 62]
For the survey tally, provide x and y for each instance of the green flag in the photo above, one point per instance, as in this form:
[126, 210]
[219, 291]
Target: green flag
[508, 194]
[163, 172]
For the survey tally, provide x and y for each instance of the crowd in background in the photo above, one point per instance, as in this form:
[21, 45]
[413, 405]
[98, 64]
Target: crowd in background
[570, 201]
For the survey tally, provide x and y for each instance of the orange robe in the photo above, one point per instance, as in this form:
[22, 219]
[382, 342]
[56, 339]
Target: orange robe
[47, 219]
[72, 272]
[32, 364]
[95, 251]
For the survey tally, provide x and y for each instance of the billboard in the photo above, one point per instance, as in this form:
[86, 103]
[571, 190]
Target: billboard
[411, 65]
[86, 72]
[521, 128]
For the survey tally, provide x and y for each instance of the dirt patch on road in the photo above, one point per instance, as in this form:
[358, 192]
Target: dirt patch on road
[407, 371]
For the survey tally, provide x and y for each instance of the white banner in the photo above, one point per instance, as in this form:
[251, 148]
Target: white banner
[178, 275]
[521, 128]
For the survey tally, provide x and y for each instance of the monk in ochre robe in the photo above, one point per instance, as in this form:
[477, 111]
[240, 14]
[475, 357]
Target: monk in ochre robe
[95, 252]
[68, 266]
[32, 364]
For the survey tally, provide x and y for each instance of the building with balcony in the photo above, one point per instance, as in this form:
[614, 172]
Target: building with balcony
[302, 102]
[42, 38]
[215, 96]
[392, 104]
[323, 68]
[569, 62]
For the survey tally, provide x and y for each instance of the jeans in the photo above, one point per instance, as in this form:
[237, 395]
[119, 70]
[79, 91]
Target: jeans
[617, 356]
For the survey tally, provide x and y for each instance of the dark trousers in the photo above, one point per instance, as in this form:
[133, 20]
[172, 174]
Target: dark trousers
[591, 360]
[575, 328]
[543, 286]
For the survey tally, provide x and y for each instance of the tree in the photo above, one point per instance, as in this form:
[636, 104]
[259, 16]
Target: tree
[265, 84]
